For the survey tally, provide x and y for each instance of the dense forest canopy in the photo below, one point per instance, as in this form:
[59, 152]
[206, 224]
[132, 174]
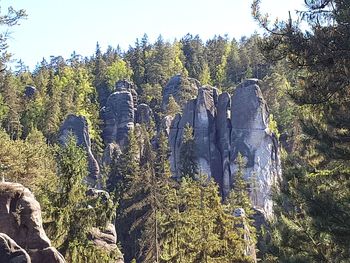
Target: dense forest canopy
[303, 74]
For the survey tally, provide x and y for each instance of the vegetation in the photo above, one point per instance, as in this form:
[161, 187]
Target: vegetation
[305, 81]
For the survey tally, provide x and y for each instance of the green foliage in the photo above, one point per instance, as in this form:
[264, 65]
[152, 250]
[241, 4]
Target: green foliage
[69, 214]
[273, 126]
[196, 227]
[239, 195]
[312, 226]
[172, 107]
[188, 159]
[27, 161]
[118, 70]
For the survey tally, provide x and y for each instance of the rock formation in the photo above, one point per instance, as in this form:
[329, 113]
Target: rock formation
[144, 114]
[118, 116]
[30, 92]
[78, 126]
[224, 126]
[181, 88]
[10, 252]
[21, 226]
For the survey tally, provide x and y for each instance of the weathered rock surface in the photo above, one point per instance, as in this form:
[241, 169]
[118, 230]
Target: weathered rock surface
[20, 220]
[30, 91]
[106, 238]
[10, 252]
[224, 126]
[118, 116]
[144, 114]
[121, 85]
[181, 88]
[78, 126]
[111, 151]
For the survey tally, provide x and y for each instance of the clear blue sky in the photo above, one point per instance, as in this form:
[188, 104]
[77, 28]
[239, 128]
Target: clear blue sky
[59, 27]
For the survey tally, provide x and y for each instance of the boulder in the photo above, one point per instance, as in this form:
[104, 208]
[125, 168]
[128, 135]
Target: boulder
[78, 126]
[20, 220]
[181, 88]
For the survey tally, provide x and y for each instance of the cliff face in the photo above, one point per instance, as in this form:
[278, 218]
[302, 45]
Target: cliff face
[224, 126]
[22, 237]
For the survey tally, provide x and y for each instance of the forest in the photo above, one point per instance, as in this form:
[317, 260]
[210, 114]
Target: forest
[58, 140]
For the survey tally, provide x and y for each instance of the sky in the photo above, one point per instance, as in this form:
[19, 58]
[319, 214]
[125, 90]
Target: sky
[57, 28]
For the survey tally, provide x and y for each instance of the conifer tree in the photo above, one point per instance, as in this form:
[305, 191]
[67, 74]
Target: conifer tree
[70, 214]
[172, 107]
[239, 195]
[189, 166]
[314, 204]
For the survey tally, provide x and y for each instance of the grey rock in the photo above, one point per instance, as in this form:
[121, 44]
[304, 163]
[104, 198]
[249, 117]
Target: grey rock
[251, 137]
[105, 238]
[10, 252]
[118, 116]
[30, 91]
[144, 114]
[181, 88]
[111, 151]
[204, 129]
[165, 124]
[223, 127]
[78, 126]
[49, 255]
[121, 85]
[20, 219]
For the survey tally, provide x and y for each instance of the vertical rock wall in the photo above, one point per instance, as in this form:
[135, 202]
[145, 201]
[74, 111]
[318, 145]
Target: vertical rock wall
[224, 126]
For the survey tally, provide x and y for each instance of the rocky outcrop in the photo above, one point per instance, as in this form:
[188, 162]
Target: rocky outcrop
[224, 126]
[20, 221]
[78, 126]
[144, 114]
[181, 88]
[251, 137]
[118, 116]
[111, 151]
[121, 85]
[10, 252]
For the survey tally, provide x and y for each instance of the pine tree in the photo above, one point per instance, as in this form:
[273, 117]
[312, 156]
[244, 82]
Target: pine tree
[172, 107]
[239, 195]
[70, 214]
[197, 227]
[126, 171]
[313, 223]
[189, 166]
